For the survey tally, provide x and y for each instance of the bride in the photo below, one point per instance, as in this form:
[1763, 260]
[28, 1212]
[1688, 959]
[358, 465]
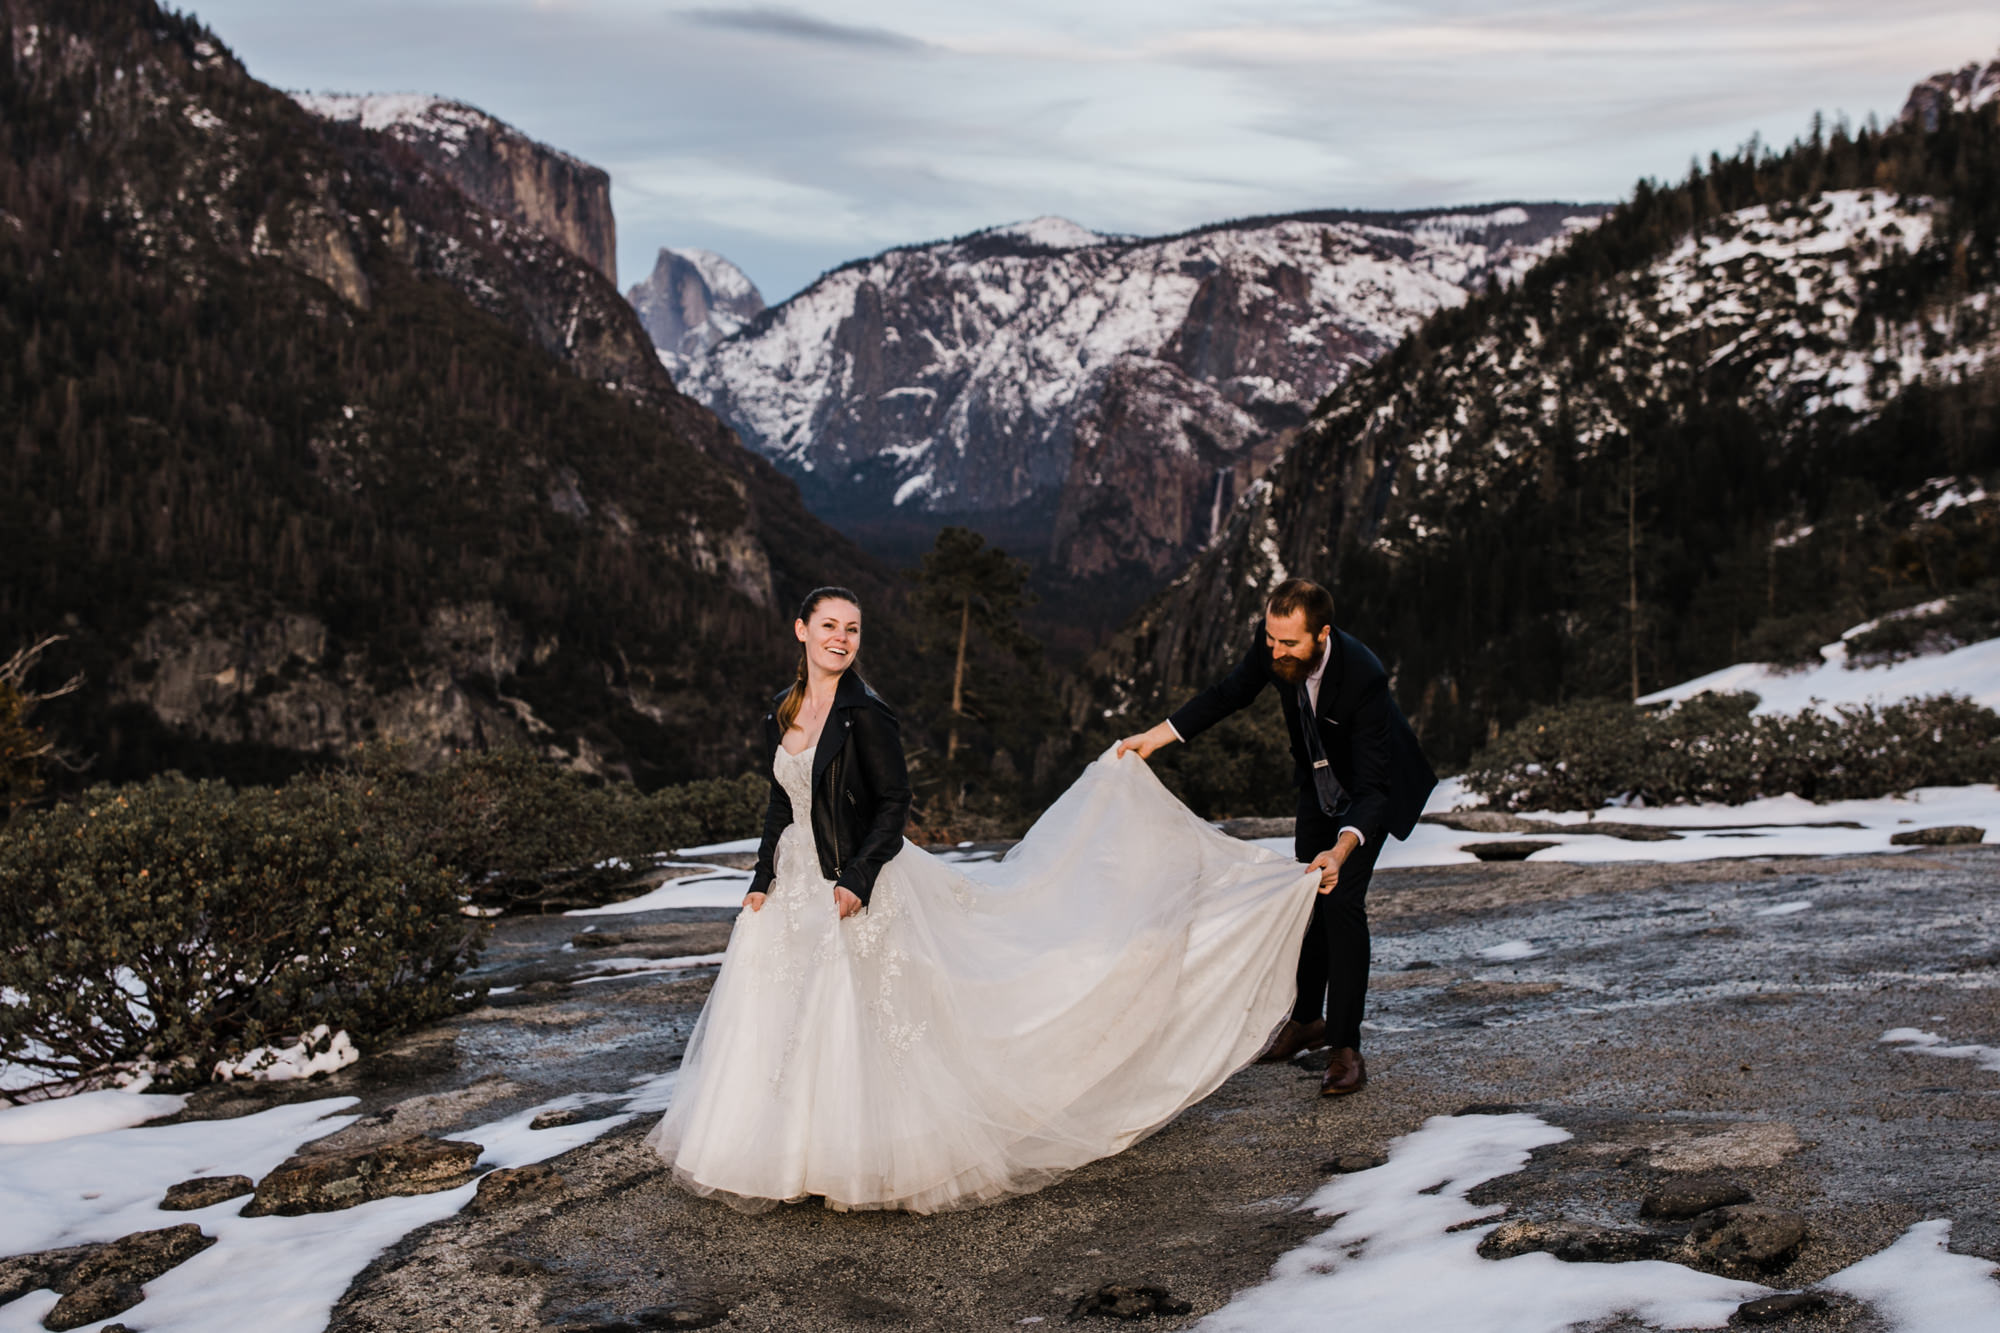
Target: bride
[887, 1031]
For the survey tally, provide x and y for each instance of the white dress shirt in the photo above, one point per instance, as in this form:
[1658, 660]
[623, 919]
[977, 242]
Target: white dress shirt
[1312, 696]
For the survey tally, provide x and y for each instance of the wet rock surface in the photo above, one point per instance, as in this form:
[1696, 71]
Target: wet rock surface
[326, 1181]
[1678, 1036]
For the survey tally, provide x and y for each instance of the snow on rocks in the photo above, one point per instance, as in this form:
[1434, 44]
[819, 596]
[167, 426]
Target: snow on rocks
[1773, 826]
[1409, 1249]
[1405, 1249]
[710, 888]
[1972, 671]
[100, 1187]
[321, 1051]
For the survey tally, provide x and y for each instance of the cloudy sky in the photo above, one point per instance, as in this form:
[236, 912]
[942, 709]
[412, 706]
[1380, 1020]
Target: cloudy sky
[792, 137]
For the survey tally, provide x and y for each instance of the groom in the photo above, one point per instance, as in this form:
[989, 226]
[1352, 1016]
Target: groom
[1361, 777]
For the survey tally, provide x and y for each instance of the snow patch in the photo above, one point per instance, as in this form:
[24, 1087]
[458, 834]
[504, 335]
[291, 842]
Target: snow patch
[1922, 1287]
[1511, 951]
[84, 1113]
[1051, 232]
[1397, 1253]
[1929, 1043]
[1972, 671]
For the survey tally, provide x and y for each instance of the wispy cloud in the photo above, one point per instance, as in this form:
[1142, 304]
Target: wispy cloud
[791, 135]
[797, 26]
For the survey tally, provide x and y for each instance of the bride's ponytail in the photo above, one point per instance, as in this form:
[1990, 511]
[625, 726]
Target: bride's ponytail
[795, 697]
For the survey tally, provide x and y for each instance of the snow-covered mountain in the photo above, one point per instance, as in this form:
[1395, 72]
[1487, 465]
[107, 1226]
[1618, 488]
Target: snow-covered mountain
[563, 197]
[1096, 401]
[1674, 447]
[692, 300]
[1957, 90]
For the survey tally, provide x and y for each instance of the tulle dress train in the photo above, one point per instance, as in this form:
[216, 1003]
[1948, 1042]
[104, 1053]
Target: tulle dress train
[974, 1035]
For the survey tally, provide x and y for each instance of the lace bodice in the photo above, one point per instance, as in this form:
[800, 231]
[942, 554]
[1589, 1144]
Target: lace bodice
[795, 774]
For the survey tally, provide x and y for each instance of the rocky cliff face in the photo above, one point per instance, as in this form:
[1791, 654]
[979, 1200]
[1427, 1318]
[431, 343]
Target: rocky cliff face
[503, 170]
[692, 300]
[1097, 401]
[1959, 90]
[316, 448]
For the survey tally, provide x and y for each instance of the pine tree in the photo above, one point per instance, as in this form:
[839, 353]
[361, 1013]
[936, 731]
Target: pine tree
[966, 585]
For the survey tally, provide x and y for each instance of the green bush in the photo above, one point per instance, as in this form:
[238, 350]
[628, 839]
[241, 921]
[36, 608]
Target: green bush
[21, 749]
[1712, 748]
[524, 832]
[157, 929]
[1242, 767]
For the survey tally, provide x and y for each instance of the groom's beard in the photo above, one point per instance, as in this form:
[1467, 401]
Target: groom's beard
[1295, 670]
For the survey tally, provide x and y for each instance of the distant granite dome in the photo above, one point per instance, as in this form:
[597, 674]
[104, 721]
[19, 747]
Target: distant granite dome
[1960, 90]
[693, 300]
[563, 197]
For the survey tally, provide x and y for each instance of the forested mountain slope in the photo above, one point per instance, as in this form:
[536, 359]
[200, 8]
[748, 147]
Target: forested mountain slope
[306, 447]
[1746, 412]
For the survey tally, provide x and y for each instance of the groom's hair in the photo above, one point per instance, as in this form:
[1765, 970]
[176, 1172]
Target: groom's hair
[1302, 595]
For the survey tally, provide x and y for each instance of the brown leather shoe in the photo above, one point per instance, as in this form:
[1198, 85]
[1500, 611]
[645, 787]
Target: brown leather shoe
[1292, 1038]
[1347, 1073]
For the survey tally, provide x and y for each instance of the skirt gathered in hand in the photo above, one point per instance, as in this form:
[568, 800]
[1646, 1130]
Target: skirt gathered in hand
[975, 1035]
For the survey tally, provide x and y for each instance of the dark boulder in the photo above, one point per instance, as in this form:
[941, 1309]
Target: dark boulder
[1691, 1198]
[1745, 1239]
[1773, 1309]
[203, 1191]
[1945, 835]
[1118, 1300]
[1576, 1242]
[511, 1186]
[324, 1182]
[111, 1278]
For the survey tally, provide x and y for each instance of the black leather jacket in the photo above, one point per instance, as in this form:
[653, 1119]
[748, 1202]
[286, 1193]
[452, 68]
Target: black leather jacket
[860, 791]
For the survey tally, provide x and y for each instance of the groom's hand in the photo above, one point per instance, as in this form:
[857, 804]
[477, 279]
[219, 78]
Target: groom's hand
[1146, 742]
[1329, 862]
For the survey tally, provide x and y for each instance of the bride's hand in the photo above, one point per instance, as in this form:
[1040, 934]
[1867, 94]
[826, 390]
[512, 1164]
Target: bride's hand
[754, 901]
[845, 902]
[1146, 742]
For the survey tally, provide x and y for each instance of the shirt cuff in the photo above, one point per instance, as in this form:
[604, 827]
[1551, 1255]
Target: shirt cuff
[1177, 731]
[1359, 836]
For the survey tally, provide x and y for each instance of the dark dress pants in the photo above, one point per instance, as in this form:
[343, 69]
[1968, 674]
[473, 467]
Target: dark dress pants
[1333, 961]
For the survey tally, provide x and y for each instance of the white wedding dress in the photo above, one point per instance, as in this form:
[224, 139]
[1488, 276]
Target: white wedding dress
[968, 1038]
